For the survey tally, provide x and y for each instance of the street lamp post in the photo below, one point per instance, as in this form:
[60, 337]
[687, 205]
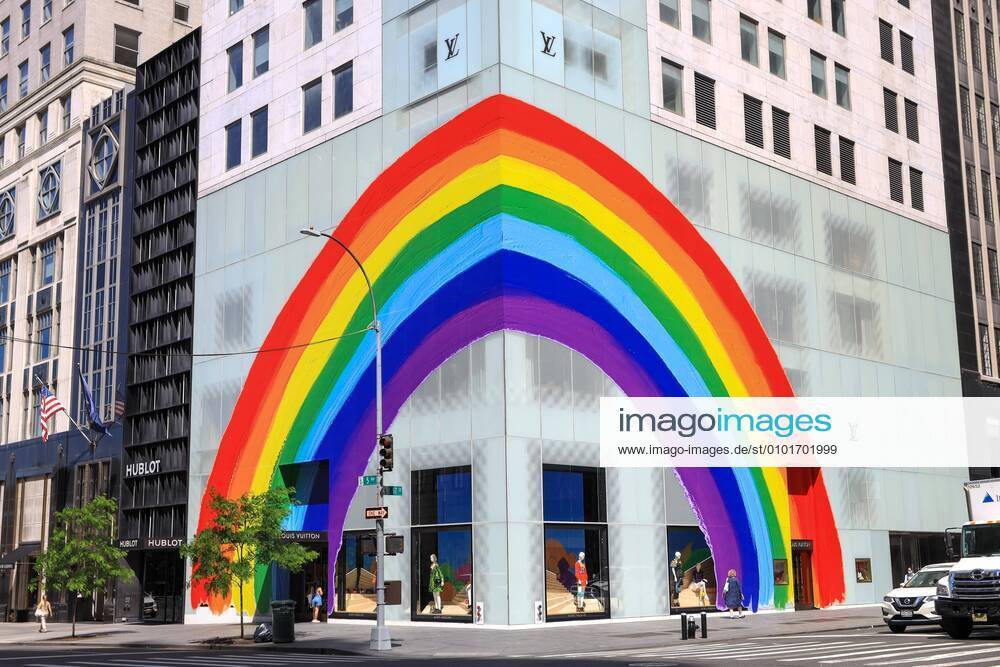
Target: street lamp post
[380, 640]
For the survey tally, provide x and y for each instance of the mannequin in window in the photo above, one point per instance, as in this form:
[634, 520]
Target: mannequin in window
[580, 570]
[699, 585]
[436, 584]
[675, 572]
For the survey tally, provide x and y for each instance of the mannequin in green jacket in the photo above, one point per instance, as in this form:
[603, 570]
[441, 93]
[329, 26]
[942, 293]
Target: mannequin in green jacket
[436, 584]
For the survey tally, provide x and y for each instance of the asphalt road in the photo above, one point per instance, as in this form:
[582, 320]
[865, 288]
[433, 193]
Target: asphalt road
[850, 649]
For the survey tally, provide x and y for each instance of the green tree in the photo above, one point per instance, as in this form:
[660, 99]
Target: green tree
[244, 533]
[81, 557]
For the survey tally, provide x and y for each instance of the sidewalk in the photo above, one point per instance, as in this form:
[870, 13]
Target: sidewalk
[451, 640]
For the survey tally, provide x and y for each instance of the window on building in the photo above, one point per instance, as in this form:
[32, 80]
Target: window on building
[842, 81]
[47, 262]
[959, 36]
[994, 275]
[814, 10]
[889, 101]
[312, 105]
[43, 330]
[966, 108]
[234, 55]
[885, 41]
[25, 20]
[49, 186]
[22, 140]
[182, 12]
[344, 14]
[753, 121]
[258, 132]
[672, 76]
[5, 36]
[669, 13]
[906, 51]
[45, 53]
[7, 218]
[22, 79]
[995, 117]
[824, 163]
[776, 53]
[863, 567]
[896, 180]
[991, 57]
[748, 40]
[817, 66]
[343, 90]
[235, 6]
[781, 137]
[33, 510]
[977, 269]
[312, 22]
[126, 46]
[3, 94]
[916, 189]
[987, 189]
[984, 344]
[574, 509]
[837, 20]
[847, 161]
[912, 126]
[441, 512]
[972, 203]
[704, 100]
[261, 51]
[234, 133]
[67, 111]
[701, 20]
[981, 120]
[973, 43]
[43, 127]
[68, 40]
[46, 11]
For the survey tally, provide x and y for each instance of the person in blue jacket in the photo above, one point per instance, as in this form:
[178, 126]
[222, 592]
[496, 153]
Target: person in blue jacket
[733, 595]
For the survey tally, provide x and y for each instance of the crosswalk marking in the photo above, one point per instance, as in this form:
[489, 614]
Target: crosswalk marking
[883, 653]
[854, 654]
[724, 651]
[966, 662]
[960, 654]
[769, 651]
[270, 657]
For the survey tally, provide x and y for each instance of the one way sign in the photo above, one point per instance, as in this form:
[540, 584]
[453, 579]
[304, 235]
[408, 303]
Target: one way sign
[376, 512]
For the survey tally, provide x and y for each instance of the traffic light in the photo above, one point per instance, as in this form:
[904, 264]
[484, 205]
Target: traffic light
[385, 452]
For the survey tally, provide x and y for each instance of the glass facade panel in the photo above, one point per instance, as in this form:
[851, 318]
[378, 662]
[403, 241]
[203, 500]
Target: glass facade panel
[442, 496]
[576, 572]
[692, 569]
[442, 573]
[356, 574]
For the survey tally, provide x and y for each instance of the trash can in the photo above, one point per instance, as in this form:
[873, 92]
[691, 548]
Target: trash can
[283, 621]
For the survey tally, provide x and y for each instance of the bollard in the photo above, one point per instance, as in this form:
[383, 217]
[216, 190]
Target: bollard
[692, 628]
[684, 626]
[704, 625]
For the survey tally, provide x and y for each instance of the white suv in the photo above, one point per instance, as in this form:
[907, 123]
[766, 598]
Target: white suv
[913, 602]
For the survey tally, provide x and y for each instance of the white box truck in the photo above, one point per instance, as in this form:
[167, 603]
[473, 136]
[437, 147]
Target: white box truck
[970, 594]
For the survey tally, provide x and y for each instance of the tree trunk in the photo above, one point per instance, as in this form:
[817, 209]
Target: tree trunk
[241, 611]
[75, 600]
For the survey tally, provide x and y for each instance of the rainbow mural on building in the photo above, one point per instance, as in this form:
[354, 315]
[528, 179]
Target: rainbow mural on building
[509, 218]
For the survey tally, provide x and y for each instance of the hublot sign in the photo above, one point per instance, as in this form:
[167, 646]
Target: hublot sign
[150, 543]
[142, 468]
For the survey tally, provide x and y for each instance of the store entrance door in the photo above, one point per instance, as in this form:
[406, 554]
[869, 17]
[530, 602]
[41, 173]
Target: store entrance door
[303, 584]
[802, 573]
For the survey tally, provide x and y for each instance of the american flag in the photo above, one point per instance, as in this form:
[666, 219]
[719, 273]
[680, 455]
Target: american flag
[119, 404]
[50, 406]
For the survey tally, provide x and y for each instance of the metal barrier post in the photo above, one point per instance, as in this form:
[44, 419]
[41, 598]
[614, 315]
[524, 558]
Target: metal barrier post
[684, 626]
[704, 625]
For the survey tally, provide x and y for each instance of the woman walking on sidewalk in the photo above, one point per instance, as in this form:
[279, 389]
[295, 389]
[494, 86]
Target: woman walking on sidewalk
[42, 612]
[733, 594]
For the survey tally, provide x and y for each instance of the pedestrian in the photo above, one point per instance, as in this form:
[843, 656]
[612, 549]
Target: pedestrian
[733, 595]
[908, 575]
[42, 612]
[317, 603]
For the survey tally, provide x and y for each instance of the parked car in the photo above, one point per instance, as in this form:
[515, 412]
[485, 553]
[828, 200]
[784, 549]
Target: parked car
[913, 602]
[149, 606]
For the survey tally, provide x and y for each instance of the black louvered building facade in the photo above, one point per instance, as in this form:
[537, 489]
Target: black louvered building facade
[163, 168]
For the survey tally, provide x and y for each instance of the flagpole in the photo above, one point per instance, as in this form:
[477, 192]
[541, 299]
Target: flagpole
[70, 418]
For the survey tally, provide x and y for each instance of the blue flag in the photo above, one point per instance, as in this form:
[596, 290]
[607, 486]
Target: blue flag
[92, 415]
